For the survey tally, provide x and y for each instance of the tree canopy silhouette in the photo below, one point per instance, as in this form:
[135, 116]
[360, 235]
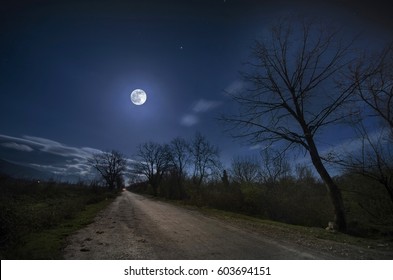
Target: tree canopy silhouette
[292, 93]
[111, 166]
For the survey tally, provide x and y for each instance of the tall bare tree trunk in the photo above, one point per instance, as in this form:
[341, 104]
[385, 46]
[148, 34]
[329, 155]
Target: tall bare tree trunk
[332, 188]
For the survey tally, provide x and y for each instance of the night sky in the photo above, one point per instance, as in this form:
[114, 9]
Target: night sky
[67, 69]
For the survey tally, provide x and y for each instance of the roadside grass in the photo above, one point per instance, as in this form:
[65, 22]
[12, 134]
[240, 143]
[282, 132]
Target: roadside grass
[274, 227]
[48, 244]
[36, 217]
[296, 230]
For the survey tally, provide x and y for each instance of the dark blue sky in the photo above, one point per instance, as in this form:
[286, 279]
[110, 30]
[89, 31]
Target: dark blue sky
[67, 69]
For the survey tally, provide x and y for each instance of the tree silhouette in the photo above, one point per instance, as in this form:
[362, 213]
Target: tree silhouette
[374, 84]
[205, 158]
[292, 95]
[245, 170]
[180, 159]
[180, 155]
[373, 78]
[274, 166]
[111, 166]
[153, 160]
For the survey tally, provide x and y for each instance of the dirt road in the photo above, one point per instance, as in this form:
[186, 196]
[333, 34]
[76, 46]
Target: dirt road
[136, 227]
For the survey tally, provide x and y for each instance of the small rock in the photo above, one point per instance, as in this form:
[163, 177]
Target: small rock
[84, 250]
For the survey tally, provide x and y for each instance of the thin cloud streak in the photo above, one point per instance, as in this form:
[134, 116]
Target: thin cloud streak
[353, 146]
[68, 160]
[204, 105]
[60, 149]
[199, 107]
[16, 146]
[235, 87]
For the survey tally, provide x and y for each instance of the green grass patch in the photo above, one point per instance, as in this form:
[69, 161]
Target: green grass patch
[48, 244]
[36, 217]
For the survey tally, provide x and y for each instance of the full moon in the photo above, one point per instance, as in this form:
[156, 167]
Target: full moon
[138, 96]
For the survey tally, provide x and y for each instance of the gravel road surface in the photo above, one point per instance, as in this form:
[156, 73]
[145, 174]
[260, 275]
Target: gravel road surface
[137, 227]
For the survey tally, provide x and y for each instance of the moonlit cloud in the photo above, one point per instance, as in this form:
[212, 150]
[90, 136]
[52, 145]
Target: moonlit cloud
[255, 147]
[16, 146]
[20, 141]
[43, 141]
[352, 146]
[51, 156]
[53, 169]
[57, 148]
[204, 105]
[189, 120]
[199, 107]
[90, 150]
[235, 87]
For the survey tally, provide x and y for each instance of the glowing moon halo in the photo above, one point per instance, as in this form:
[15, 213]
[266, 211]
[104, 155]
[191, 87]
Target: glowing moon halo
[138, 96]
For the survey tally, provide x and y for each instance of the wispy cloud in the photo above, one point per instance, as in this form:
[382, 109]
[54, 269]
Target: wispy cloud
[199, 107]
[189, 120]
[235, 87]
[21, 141]
[255, 147]
[53, 169]
[57, 148]
[204, 105]
[352, 146]
[50, 156]
[16, 146]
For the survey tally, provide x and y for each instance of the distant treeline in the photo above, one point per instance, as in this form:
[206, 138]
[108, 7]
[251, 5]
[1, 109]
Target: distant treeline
[266, 186]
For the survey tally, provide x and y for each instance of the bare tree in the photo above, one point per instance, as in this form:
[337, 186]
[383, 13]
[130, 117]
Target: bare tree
[180, 159]
[245, 170]
[274, 166]
[111, 166]
[375, 159]
[205, 158]
[152, 161]
[374, 84]
[373, 78]
[180, 151]
[292, 93]
[304, 173]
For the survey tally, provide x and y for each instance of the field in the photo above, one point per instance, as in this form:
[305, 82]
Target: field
[36, 217]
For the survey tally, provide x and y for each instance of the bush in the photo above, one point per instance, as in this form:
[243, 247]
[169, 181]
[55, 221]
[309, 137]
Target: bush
[222, 196]
[369, 209]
